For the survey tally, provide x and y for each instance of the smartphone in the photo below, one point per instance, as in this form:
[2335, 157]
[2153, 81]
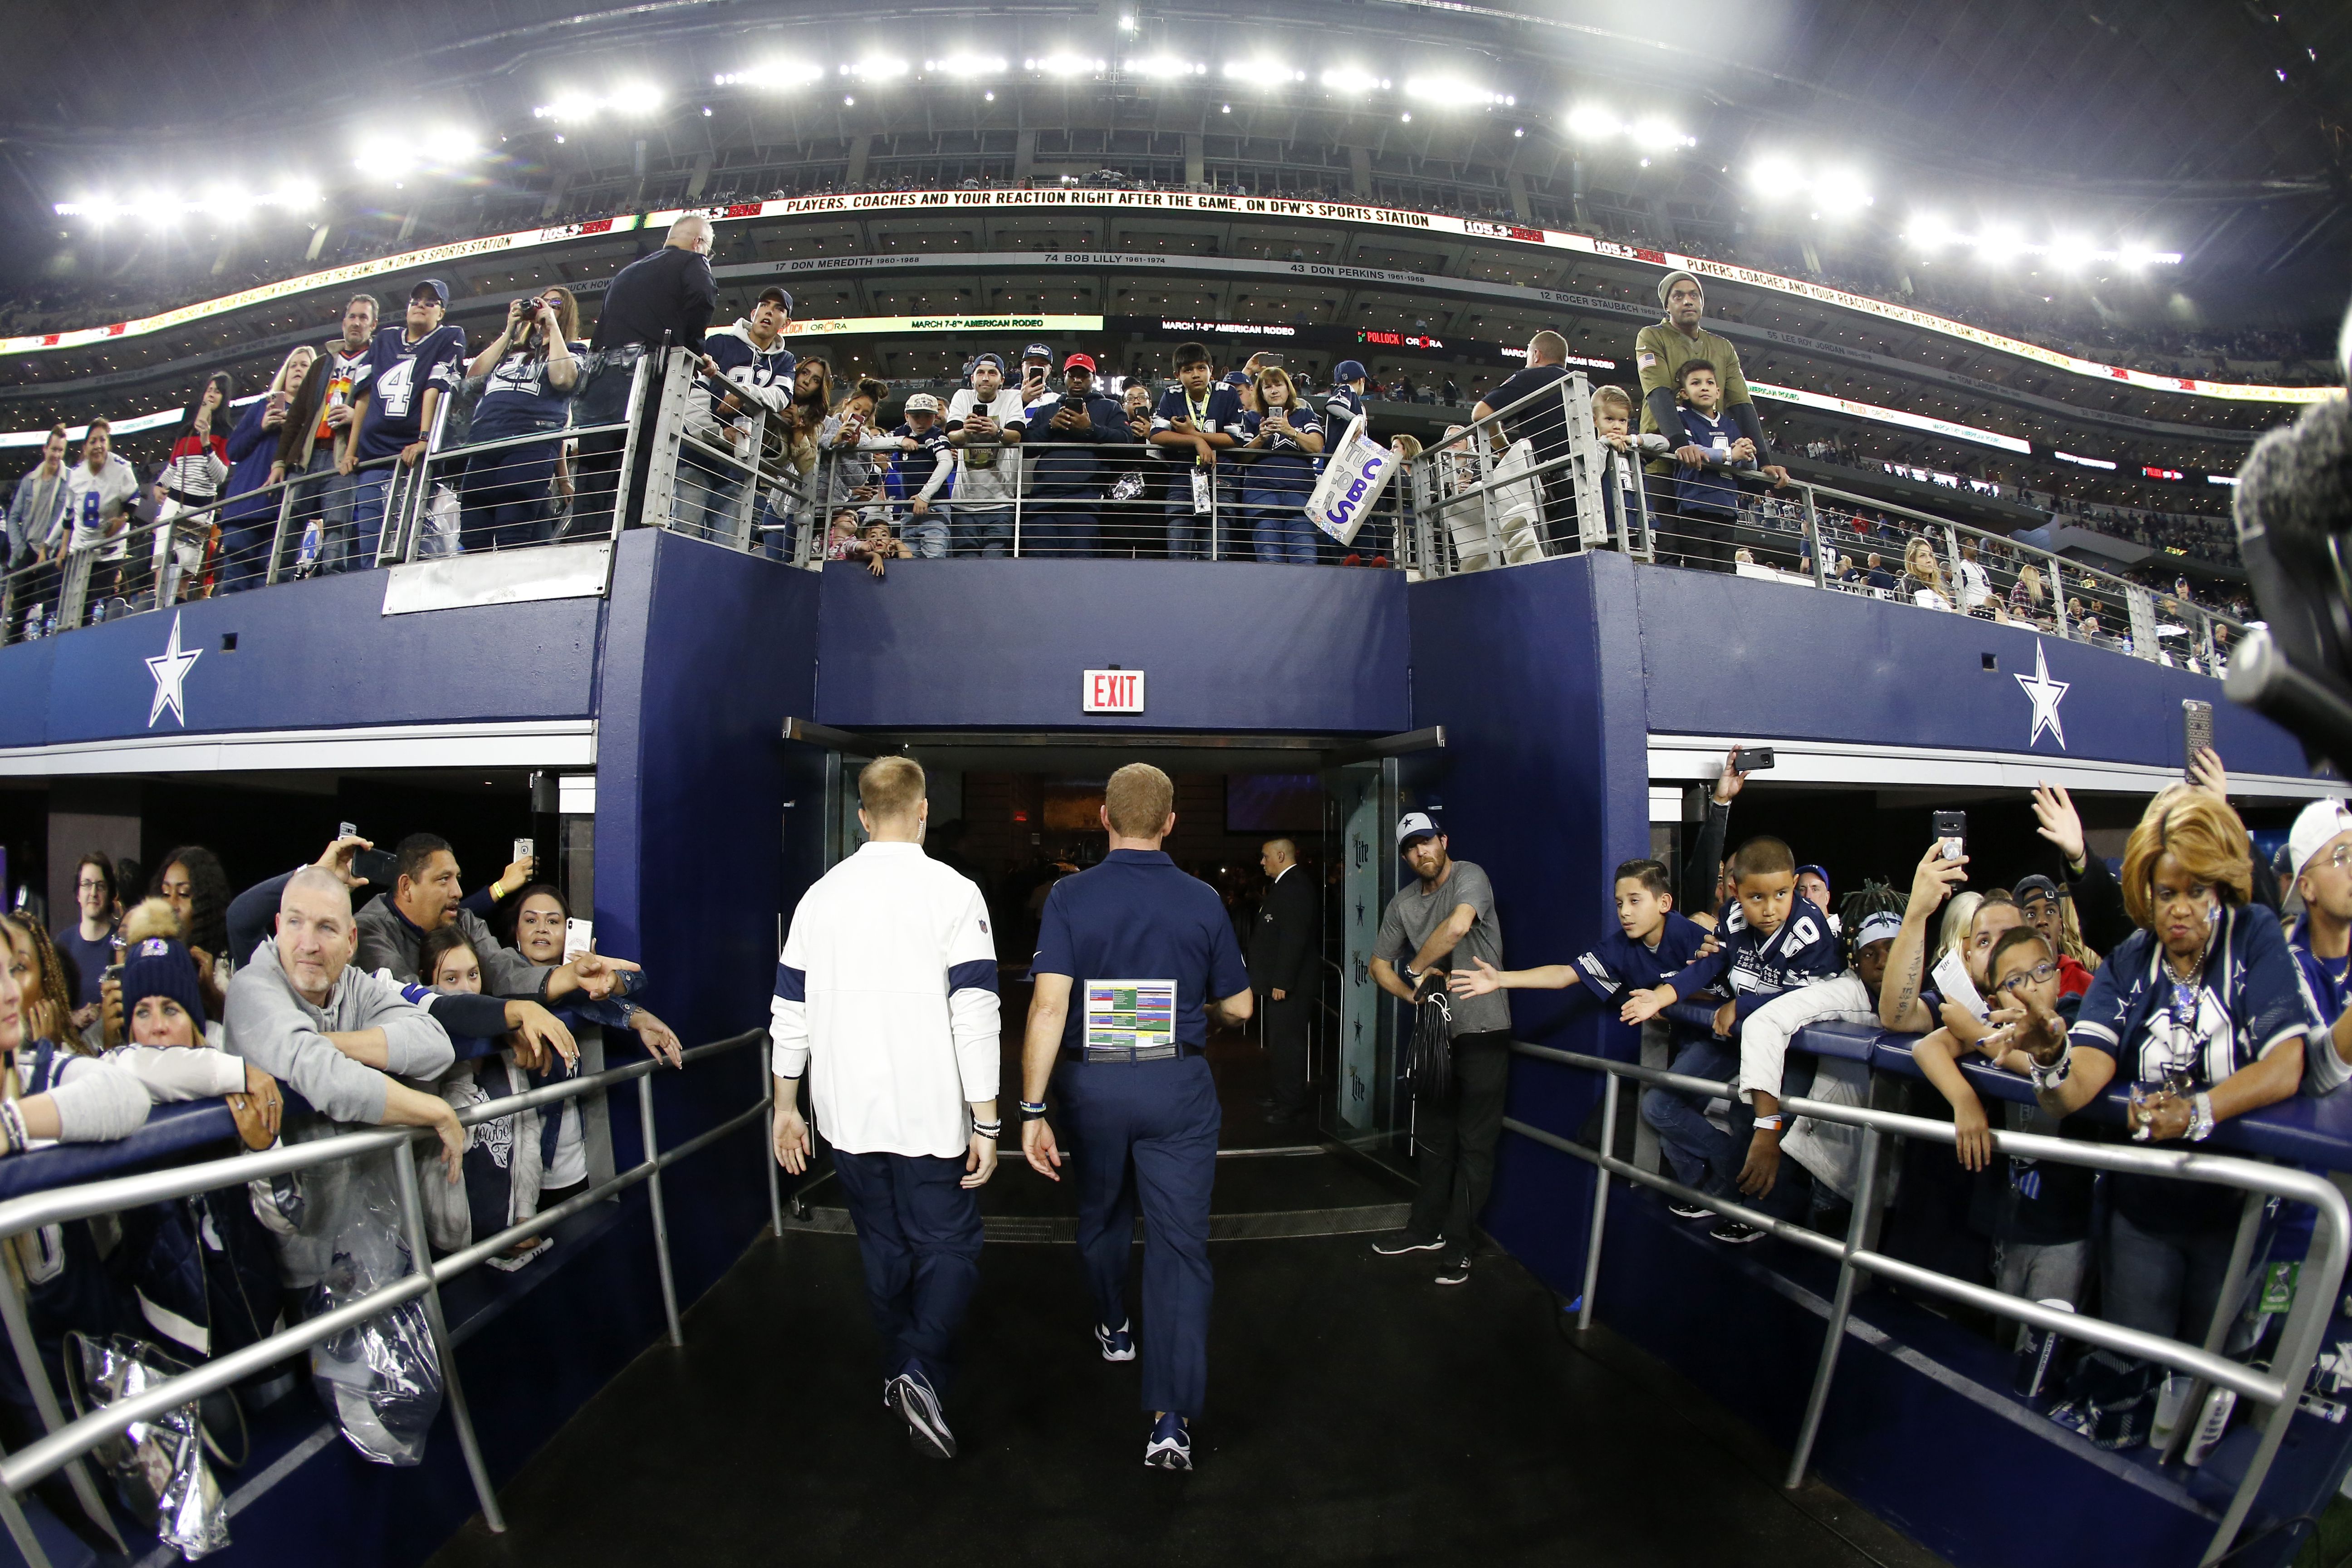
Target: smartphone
[1269, 362]
[1952, 831]
[2196, 733]
[377, 868]
[345, 830]
[524, 851]
[579, 935]
[1755, 759]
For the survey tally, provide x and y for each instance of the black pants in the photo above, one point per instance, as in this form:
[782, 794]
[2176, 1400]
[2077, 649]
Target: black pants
[1286, 1043]
[1706, 539]
[1457, 1135]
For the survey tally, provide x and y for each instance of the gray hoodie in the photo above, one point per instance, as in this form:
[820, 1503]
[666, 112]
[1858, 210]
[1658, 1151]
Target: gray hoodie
[271, 1025]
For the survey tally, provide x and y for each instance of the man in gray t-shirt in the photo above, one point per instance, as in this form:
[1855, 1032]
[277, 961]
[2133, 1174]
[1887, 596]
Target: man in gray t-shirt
[1447, 916]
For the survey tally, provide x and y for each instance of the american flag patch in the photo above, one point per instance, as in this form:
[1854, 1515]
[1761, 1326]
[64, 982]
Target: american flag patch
[1648, 360]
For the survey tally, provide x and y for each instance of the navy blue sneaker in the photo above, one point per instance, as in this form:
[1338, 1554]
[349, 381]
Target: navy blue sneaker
[1170, 1447]
[1118, 1344]
[919, 1406]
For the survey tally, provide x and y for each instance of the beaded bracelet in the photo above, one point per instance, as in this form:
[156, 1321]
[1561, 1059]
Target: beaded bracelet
[11, 1126]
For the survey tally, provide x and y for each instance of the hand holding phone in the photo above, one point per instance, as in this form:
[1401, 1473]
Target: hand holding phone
[1951, 830]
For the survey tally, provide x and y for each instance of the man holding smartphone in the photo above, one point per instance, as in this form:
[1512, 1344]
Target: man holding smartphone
[1068, 483]
[984, 425]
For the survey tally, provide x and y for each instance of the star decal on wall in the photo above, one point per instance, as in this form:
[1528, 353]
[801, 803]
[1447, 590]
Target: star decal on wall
[2046, 694]
[170, 669]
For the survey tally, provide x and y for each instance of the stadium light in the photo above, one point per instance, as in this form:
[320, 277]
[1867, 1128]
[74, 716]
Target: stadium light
[1775, 177]
[775, 74]
[1837, 192]
[1841, 191]
[968, 66]
[640, 98]
[1591, 122]
[1261, 73]
[1164, 67]
[1453, 92]
[876, 67]
[450, 144]
[1350, 79]
[571, 108]
[1062, 64]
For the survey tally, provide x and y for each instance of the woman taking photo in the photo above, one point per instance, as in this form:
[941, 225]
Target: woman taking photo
[249, 521]
[532, 367]
[1279, 475]
[2201, 1004]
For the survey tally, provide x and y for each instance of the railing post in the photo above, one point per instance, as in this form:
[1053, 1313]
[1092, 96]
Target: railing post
[1599, 1202]
[1020, 483]
[1813, 533]
[285, 515]
[660, 1212]
[768, 1151]
[1857, 1232]
[412, 1222]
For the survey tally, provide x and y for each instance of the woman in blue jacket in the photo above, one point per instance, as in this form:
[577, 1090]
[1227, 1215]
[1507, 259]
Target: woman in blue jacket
[247, 522]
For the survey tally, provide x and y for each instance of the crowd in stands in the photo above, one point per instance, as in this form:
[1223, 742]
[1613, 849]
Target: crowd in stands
[1037, 453]
[2209, 981]
[306, 1006]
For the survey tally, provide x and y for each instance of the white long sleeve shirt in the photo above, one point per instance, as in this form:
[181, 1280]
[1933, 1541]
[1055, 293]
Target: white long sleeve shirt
[886, 998]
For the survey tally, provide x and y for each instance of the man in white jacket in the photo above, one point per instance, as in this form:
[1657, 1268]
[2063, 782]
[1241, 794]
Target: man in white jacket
[886, 1000]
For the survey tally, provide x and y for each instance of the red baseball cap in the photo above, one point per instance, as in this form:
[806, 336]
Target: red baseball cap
[1084, 359]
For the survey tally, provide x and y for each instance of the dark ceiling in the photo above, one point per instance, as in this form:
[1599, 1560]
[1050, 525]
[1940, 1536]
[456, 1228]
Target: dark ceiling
[2217, 102]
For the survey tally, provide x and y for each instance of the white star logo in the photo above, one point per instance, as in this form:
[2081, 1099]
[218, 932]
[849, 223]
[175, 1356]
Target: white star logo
[2046, 694]
[170, 669]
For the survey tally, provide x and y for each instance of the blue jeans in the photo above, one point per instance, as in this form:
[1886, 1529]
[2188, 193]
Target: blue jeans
[324, 499]
[371, 490]
[1146, 1132]
[504, 497]
[1699, 1155]
[927, 532]
[918, 1235]
[706, 498]
[979, 530]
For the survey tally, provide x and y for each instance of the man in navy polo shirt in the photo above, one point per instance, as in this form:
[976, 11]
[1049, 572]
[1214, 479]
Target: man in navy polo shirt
[1134, 959]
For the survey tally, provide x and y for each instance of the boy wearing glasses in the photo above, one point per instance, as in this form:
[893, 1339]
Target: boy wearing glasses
[2038, 1216]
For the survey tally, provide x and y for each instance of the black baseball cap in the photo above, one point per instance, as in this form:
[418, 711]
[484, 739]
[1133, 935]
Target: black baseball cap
[779, 296]
[2036, 886]
[1039, 350]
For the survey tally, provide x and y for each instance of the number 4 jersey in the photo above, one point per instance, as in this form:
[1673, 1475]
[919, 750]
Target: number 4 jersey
[395, 380]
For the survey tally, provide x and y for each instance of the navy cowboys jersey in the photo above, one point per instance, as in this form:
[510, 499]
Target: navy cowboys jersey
[1752, 967]
[1617, 963]
[517, 398]
[395, 378]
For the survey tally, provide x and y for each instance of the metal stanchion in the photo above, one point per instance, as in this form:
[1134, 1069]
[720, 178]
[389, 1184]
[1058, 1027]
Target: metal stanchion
[1599, 1202]
[412, 1221]
[1857, 1234]
[660, 1213]
[768, 1153]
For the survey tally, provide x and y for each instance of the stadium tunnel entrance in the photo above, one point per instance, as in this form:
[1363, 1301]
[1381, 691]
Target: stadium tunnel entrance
[1017, 811]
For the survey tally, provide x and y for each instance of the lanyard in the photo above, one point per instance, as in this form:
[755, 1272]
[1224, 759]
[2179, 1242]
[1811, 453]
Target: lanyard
[1199, 412]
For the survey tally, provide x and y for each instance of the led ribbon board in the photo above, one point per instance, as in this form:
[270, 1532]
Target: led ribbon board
[1188, 201]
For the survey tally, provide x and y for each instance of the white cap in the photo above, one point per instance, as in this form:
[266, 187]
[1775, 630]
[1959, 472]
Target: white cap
[922, 403]
[2321, 821]
[1879, 927]
[1415, 825]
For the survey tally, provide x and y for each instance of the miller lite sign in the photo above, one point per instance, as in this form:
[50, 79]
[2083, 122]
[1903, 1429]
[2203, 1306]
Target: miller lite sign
[1112, 691]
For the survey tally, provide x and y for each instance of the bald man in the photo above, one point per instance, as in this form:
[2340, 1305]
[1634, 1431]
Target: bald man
[345, 1039]
[670, 292]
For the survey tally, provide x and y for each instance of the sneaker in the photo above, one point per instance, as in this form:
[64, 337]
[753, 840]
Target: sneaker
[1457, 1272]
[927, 1428]
[1171, 1446]
[1681, 1210]
[1118, 1344]
[1352, 560]
[1379, 561]
[1404, 1241]
[1735, 1232]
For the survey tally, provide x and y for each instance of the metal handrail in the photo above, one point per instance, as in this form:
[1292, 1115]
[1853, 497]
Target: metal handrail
[2278, 1391]
[67, 1442]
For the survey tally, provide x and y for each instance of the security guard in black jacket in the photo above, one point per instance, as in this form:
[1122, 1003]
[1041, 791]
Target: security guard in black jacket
[1284, 951]
[670, 293]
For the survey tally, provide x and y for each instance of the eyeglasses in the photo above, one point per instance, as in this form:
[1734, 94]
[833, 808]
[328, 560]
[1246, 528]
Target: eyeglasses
[2340, 858]
[2039, 974]
[85, 886]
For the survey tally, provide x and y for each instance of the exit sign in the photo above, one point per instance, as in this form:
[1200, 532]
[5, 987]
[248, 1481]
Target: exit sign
[1112, 692]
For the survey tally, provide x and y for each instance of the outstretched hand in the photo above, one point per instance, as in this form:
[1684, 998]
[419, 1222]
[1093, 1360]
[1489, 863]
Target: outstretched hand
[2054, 810]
